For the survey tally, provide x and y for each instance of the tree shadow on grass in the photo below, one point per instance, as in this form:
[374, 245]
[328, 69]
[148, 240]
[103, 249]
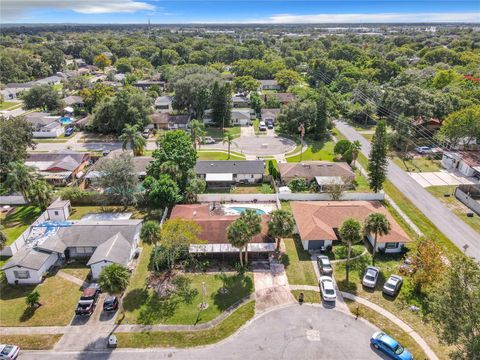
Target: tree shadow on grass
[234, 288]
[28, 313]
[134, 299]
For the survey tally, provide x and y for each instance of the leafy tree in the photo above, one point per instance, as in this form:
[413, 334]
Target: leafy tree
[150, 232]
[44, 97]
[33, 299]
[194, 187]
[162, 192]
[171, 168]
[123, 65]
[237, 235]
[114, 279]
[176, 236]
[228, 139]
[281, 225]
[101, 61]
[40, 194]
[455, 307]
[286, 78]
[91, 51]
[221, 104]
[378, 162]
[377, 224]
[133, 138]
[254, 225]
[256, 102]
[193, 92]
[461, 126]
[341, 147]
[118, 178]
[77, 83]
[93, 97]
[19, 178]
[197, 129]
[295, 113]
[55, 58]
[245, 83]
[320, 125]
[444, 77]
[428, 266]
[350, 234]
[298, 184]
[3, 238]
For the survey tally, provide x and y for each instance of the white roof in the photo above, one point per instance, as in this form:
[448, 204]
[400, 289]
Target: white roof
[284, 190]
[219, 177]
[69, 109]
[329, 180]
[227, 248]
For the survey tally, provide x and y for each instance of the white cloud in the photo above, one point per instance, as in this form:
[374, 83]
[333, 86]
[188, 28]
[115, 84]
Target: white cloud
[12, 10]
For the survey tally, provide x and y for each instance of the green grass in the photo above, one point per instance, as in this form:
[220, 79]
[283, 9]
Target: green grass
[57, 296]
[298, 265]
[256, 125]
[388, 265]
[18, 221]
[78, 269]
[48, 141]
[340, 252]
[80, 211]
[144, 306]
[361, 183]
[32, 342]
[309, 296]
[184, 339]
[218, 134]
[252, 189]
[219, 155]
[388, 327]
[317, 150]
[58, 87]
[420, 164]
[455, 205]
[286, 205]
[5, 105]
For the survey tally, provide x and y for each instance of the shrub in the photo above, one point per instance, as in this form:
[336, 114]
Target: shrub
[298, 184]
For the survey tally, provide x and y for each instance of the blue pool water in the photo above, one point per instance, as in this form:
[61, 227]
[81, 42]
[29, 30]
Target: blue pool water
[65, 120]
[241, 209]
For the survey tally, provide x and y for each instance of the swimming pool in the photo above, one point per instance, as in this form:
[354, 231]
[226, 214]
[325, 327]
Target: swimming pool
[65, 120]
[241, 209]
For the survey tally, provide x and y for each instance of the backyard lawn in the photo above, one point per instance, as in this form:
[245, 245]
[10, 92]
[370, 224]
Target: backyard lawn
[298, 264]
[361, 183]
[317, 150]
[80, 211]
[18, 221]
[252, 189]
[419, 164]
[455, 205]
[143, 305]
[58, 298]
[183, 339]
[218, 155]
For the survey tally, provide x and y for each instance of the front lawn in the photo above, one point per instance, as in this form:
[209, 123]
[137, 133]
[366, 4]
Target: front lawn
[183, 339]
[78, 269]
[317, 150]
[256, 125]
[80, 211]
[32, 342]
[298, 264]
[218, 155]
[309, 296]
[144, 306]
[418, 164]
[455, 205]
[218, 134]
[8, 104]
[18, 221]
[57, 296]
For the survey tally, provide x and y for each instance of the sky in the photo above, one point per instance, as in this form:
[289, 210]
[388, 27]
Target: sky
[237, 11]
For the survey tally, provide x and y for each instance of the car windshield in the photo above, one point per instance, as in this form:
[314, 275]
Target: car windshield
[370, 277]
[399, 349]
[86, 298]
[329, 291]
[7, 350]
[390, 286]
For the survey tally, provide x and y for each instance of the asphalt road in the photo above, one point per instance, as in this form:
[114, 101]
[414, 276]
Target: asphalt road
[293, 332]
[447, 222]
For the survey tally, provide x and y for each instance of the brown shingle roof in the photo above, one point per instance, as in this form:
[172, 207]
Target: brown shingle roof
[214, 227]
[317, 220]
[310, 169]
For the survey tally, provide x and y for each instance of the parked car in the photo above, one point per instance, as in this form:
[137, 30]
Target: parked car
[9, 352]
[370, 277]
[69, 131]
[208, 140]
[423, 149]
[262, 126]
[390, 346]
[110, 303]
[324, 265]
[392, 285]
[88, 300]
[327, 288]
[270, 124]
[146, 133]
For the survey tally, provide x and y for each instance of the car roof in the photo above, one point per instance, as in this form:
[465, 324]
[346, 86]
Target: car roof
[89, 291]
[394, 279]
[389, 341]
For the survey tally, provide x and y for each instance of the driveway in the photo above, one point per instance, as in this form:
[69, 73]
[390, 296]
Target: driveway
[441, 178]
[447, 222]
[292, 332]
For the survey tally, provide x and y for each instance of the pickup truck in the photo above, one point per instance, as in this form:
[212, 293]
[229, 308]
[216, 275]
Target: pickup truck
[88, 301]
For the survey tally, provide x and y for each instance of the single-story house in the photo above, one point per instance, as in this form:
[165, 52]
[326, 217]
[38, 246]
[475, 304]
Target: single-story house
[50, 80]
[73, 100]
[145, 84]
[429, 124]
[163, 104]
[283, 98]
[242, 116]
[213, 235]
[101, 242]
[140, 163]
[323, 172]
[58, 167]
[45, 125]
[240, 101]
[270, 115]
[465, 162]
[11, 93]
[224, 173]
[160, 120]
[318, 222]
[178, 122]
[269, 85]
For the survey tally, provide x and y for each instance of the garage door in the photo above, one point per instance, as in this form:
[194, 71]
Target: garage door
[315, 244]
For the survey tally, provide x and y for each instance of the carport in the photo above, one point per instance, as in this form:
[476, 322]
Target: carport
[219, 179]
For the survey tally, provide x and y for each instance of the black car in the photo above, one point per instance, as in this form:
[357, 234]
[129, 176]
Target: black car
[110, 303]
[69, 131]
[269, 124]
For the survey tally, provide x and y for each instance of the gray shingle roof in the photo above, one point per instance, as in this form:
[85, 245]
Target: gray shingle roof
[230, 166]
[28, 258]
[117, 249]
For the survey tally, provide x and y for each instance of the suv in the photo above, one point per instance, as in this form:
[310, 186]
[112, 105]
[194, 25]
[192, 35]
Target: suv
[110, 303]
[88, 300]
[270, 124]
[146, 133]
[324, 265]
[262, 126]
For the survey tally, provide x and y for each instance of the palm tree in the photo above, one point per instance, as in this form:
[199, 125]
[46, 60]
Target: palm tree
[114, 280]
[237, 235]
[281, 225]
[228, 139]
[198, 131]
[40, 194]
[19, 178]
[254, 226]
[150, 234]
[171, 168]
[378, 224]
[350, 234]
[33, 298]
[132, 136]
[355, 148]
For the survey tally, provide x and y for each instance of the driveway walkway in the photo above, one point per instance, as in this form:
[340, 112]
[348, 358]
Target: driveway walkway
[441, 178]
[447, 222]
[71, 278]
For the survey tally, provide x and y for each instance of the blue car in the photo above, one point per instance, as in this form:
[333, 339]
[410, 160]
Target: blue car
[390, 346]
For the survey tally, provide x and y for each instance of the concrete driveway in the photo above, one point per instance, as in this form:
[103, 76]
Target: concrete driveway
[441, 178]
[292, 332]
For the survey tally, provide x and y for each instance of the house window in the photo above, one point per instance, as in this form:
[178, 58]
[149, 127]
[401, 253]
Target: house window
[391, 245]
[24, 274]
[56, 213]
[252, 176]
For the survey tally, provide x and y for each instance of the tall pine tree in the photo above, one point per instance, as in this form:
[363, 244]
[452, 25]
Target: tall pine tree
[378, 162]
[221, 102]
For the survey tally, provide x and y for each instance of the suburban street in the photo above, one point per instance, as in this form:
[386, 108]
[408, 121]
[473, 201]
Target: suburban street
[292, 332]
[448, 223]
